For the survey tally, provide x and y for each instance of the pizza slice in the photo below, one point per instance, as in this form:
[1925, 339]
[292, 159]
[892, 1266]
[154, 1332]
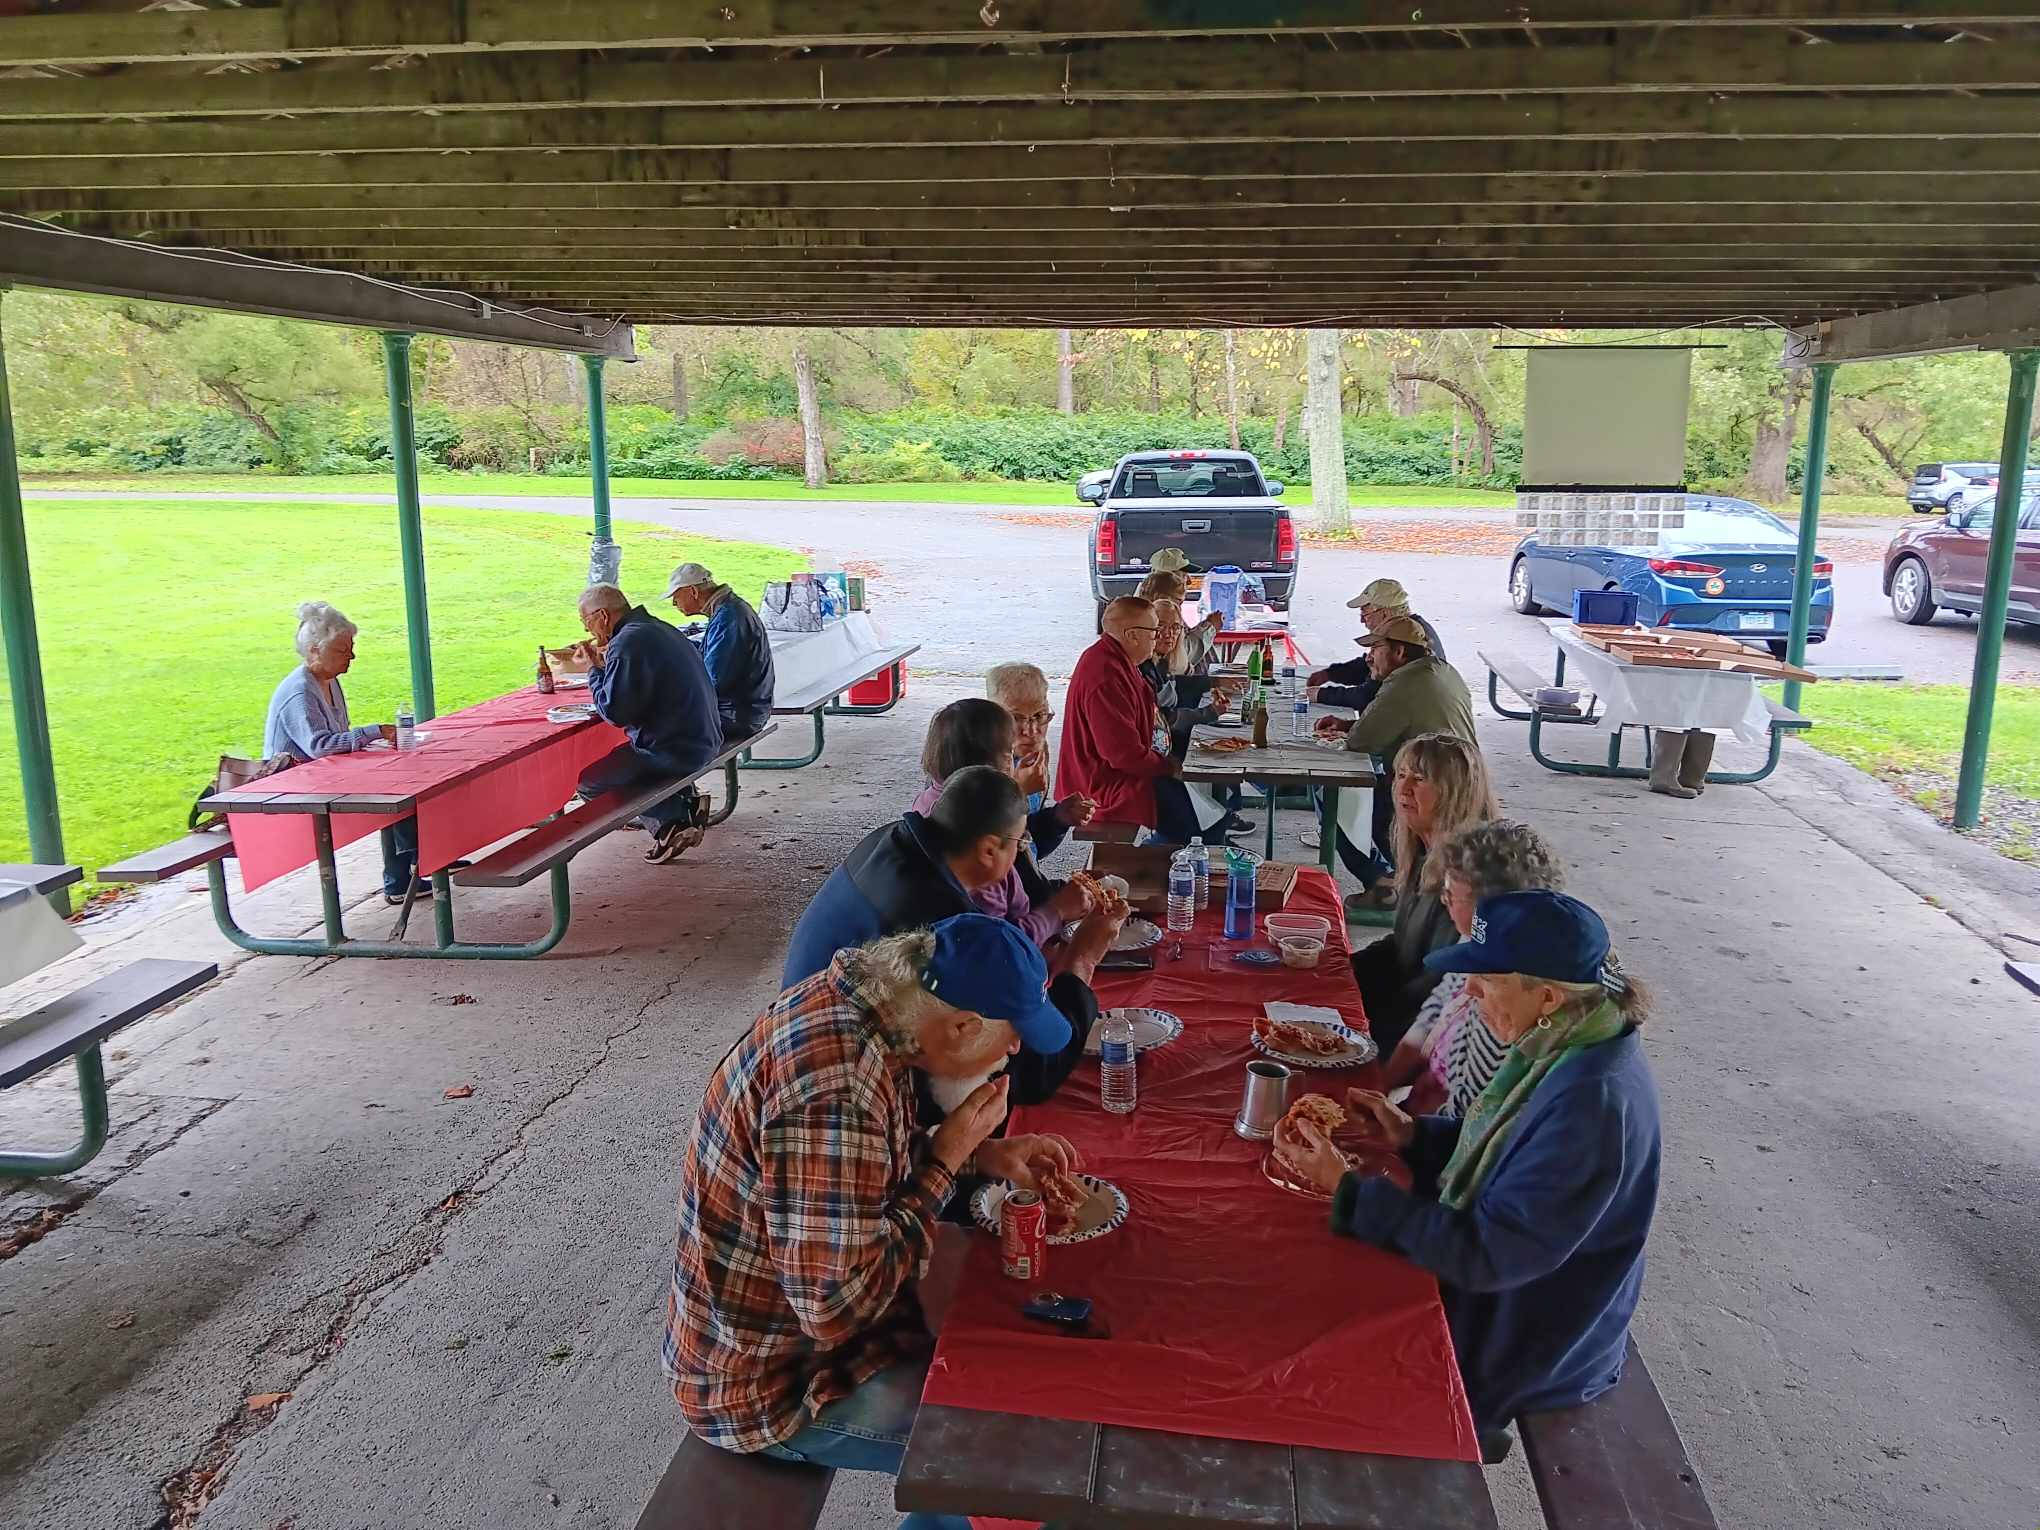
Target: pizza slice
[1319, 1110]
[1065, 1196]
[1300, 1040]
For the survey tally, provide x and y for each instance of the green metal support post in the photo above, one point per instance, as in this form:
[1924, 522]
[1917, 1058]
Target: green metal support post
[598, 462]
[410, 525]
[1997, 588]
[24, 662]
[1809, 524]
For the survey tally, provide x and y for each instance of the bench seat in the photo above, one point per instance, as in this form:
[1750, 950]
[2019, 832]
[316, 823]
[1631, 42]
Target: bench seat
[533, 854]
[67, 1026]
[42, 879]
[706, 1485]
[171, 860]
[1615, 1464]
[1784, 717]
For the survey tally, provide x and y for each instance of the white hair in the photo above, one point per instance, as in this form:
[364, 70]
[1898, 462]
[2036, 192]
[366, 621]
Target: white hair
[318, 625]
[1016, 679]
[888, 973]
[604, 597]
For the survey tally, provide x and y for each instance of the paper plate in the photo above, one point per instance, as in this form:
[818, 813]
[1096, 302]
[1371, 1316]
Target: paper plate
[1359, 1048]
[579, 712]
[1136, 934]
[1151, 1028]
[1377, 1163]
[1102, 1213]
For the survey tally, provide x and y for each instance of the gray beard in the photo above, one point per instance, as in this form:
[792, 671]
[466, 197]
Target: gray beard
[948, 1093]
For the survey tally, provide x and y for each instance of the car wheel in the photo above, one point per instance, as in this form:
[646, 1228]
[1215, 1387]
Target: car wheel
[1955, 503]
[1912, 593]
[1099, 620]
[1519, 589]
[1779, 647]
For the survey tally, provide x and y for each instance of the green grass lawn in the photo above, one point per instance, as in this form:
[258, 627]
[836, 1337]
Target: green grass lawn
[1890, 506]
[165, 627]
[1002, 492]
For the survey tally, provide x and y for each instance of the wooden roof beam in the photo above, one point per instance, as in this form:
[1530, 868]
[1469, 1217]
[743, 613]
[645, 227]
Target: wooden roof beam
[1993, 321]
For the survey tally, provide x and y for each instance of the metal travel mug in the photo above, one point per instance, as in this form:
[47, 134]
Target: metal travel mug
[1266, 1099]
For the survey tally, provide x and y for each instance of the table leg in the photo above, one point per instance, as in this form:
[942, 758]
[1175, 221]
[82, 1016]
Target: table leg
[787, 762]
[1271, 791]
[92, 1101]
[1328, 830]
[329, 881]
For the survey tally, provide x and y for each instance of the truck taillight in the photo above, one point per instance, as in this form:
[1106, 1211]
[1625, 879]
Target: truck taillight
[1108, 543]
[1823, 570]
[1285, 539]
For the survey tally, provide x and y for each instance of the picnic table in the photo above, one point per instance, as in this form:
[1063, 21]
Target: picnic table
[1258, 1370]
[1229, 645]
[477, 775]
[1285, 763]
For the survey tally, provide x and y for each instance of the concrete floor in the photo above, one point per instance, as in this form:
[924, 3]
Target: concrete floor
[464, 1298]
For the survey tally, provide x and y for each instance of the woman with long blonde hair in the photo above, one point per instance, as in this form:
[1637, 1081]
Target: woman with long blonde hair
[1441, 786]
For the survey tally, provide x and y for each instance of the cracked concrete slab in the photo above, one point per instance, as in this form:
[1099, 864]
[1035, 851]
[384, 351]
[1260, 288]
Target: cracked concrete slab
[464, 1298]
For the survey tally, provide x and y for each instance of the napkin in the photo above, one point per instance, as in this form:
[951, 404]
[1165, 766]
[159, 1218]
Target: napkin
[1302, 1014]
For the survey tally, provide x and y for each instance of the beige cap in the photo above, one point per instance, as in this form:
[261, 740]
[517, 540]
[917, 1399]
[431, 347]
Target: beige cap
[1388, 594]
[1169, 560]
[686, 577]
[1399, 629]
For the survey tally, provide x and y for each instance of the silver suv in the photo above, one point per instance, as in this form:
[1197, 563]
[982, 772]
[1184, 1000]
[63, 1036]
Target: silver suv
[1939, 486]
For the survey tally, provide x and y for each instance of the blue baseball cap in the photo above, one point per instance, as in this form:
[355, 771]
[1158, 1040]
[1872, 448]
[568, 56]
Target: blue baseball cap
[990, 967]
[1539, 934]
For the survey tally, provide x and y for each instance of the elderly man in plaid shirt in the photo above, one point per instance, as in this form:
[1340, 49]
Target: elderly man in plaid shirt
[810, 1194]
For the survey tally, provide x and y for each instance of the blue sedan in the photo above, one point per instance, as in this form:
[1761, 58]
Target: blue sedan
[1727, 570]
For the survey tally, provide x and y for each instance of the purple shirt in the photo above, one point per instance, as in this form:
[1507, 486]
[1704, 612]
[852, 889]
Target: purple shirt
[1005, 899]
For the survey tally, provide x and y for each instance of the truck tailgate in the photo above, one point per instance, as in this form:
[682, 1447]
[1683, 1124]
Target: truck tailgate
[1208, 534]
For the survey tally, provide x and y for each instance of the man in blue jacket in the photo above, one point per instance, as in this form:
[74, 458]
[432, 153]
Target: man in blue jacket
[648, 680]
[735, 648]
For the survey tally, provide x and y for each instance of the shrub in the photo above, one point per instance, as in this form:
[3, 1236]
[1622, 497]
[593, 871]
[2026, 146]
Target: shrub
[901, 462]
[770, 442]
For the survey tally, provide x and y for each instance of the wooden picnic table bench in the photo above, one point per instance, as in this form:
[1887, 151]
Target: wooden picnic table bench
[706, 1485]
[1615, 1464]
[74, 1025]
[1524, 682]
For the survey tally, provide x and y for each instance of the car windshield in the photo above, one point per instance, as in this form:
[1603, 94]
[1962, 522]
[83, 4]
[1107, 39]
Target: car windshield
[1196, 478]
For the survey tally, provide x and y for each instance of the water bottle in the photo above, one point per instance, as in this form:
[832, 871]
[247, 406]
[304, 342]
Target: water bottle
[1299, 720]
[407, 727]
[1289, 682]
[1239, 896]
[1200, 859]
[1182, 890]
[1117, 1089]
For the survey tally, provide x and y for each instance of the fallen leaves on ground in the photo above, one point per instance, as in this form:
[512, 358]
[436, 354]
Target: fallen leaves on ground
[455, 998]
[1463, 538]
[457, 1092]
[1043, 518]
[36, 1227]
[125, 1320]
[262, 1402]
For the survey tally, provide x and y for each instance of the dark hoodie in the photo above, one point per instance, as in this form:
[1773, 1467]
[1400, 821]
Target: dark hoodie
[896, 880]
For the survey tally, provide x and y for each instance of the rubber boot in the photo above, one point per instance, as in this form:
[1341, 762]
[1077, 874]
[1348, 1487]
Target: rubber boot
[1668, 751]
[1698, 755]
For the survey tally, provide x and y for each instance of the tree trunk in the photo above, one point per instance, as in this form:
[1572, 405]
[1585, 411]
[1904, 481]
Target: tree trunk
[1327, 443]
[1893, 456]
[1065, 373]
[1282, 402]
[577, 393]
[226, 392]
[1484, 428]
[1232, 388]
[1191, 359]
[1771, 442]
[813, 460]
[1154, 381]
[679, 387]
[1402, 395]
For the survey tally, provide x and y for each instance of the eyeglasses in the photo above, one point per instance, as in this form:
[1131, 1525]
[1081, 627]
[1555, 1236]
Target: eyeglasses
[1034, 719]
[1140, 629]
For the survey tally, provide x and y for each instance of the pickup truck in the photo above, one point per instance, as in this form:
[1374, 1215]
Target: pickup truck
[1215, 505]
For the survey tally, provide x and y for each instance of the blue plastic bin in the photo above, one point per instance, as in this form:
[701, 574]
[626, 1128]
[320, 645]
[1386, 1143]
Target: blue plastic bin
[1604, 608]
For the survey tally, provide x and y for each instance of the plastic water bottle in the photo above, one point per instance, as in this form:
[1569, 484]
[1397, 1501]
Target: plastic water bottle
[1241, 873]
[1200, 859]
[407, 727]
[1299, 720]
[1182, 890]
[1117, 1088]
[1289, 682]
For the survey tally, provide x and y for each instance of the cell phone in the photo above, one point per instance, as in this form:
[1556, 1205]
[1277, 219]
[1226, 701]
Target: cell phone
[1071, 1312]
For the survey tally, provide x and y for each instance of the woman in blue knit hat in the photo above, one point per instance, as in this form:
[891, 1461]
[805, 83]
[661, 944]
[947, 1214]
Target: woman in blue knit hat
[1533, 1210]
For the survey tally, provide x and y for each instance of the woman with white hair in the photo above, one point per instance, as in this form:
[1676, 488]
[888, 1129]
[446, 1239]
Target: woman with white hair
[308, 721]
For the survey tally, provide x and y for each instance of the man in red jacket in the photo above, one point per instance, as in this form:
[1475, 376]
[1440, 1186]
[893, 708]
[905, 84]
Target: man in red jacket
[1109, 738]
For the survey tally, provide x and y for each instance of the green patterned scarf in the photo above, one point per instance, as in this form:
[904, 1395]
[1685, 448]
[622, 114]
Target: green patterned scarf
[1488, 1125]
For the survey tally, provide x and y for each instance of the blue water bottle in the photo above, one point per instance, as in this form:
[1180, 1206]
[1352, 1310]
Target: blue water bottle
[1240, 873]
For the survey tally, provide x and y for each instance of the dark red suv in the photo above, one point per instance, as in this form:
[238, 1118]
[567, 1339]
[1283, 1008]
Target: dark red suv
[1939, 564]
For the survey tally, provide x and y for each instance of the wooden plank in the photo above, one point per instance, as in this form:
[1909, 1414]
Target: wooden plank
[173, 859]
[1615, 1464]
[244, 801]
[373, 802]
[42, 878]
[706, 1485]
[87, 1016]
[1338, 1490]
[964, 1461]
[1151, 1480]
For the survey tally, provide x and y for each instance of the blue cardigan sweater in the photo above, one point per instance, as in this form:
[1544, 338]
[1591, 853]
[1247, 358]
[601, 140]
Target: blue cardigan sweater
[1542, 1272]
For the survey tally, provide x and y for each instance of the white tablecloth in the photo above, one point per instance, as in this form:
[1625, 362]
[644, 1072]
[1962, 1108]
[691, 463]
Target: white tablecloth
[1665, 698]
[31, 934]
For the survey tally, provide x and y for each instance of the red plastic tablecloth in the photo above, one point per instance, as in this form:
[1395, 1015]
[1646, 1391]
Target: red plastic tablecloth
[1234, 1311]
[484, 772]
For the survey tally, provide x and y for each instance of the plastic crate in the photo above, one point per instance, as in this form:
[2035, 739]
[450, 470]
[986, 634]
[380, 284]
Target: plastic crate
[1604, 608]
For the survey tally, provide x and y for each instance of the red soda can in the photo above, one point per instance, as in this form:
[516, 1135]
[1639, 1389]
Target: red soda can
[1023, 1235]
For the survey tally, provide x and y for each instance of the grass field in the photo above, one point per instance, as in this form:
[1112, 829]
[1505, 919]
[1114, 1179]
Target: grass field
[165, 627]
[1004, 492]
[1912, 734]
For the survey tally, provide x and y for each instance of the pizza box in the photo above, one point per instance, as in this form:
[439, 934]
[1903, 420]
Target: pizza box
[1146, 870]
